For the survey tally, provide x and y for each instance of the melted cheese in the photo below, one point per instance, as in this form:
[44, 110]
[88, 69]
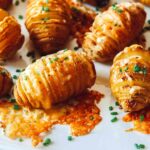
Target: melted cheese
[81, 114]
[139, 125]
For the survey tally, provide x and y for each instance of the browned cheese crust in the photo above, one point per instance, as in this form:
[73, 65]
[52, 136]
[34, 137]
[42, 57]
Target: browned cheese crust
[5, 82]
[48, 23]
[130, 78]
[113, 30]
[11, 38]
[54, 78]
[5, 3]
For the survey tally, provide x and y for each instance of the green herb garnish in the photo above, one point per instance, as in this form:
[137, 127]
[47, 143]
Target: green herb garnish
[47, 142]
[140, 146]
[136, 68]
[20, 140]
[116, 8]
[114, 113]
[116, 103]
[142, 117]
[16, 107]
[111, 108]
[70, 138]
[15, 77]
[115, 119]
[16, 2]
[20, 17]
[45, 8]
[12, 100]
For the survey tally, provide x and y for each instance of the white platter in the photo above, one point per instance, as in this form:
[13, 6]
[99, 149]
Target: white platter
[106, 135]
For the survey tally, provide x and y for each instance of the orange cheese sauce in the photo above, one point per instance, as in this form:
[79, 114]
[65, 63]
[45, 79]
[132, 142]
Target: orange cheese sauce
[138, 124]
[80, 113]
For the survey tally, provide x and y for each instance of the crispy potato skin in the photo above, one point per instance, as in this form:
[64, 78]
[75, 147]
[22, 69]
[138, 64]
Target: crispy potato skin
[113, 30]
[146, 2]
[54, 78]
[10, 41]
[129, 84]
[5, 3]
[5, 82]
[100, 3]
[48, 24]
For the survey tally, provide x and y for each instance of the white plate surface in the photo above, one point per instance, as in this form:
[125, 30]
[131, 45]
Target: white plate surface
[106, 135]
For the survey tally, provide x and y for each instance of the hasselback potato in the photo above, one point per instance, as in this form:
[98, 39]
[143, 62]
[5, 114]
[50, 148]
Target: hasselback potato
[146, 2]
[5, 3]
[113, 30]
[48, 23]
[5, 82]
[130, 78]
[54, 78]
[99, 3]
[11, 38]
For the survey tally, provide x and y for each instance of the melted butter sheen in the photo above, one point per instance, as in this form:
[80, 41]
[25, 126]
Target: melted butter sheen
[141, 125]
[81, 114]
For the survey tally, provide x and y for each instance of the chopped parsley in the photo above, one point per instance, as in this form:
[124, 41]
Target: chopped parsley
[20, 17]
[111, 108]
[116, 103]
[20, 140]
[114, 113]
[115, 119]
[16, 2]
[45, 8]
[138, 69]
[76, 48]
[141, 117]
[12, 100]
[47, 142]
[18, 70]
[140, 146]
[15, 77]
[116, 8]
[16, 107]
[120, 70]
[70, 138]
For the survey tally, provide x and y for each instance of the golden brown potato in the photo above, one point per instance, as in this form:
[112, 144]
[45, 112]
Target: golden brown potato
[113, 30]
[11, 38]
[130, 78]
[54, 78]
[100, 3]
[82, 19]
[5, 82]
[5, 3]
[146, 2]
[48, 23]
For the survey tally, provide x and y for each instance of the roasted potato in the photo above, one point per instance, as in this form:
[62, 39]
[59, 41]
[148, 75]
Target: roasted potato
[54, 78]
[48, 23]
[146, 2]
[5, 3]
[113, 30]
[5, 82]
[130, 78]
[100, 3]
[11, 38]
[82, 19]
